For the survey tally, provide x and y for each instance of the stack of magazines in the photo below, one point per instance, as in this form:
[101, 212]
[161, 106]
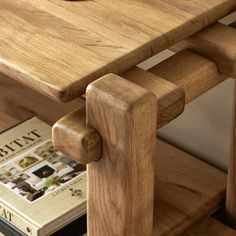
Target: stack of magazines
[42, 191]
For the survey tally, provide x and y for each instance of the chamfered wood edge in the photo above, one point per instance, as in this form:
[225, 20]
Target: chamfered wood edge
[71, 91]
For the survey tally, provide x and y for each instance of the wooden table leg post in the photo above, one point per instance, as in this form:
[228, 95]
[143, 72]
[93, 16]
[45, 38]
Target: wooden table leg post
[231, 181]
[121, 183]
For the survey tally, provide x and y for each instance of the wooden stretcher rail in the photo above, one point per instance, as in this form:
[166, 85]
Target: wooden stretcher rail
[209, 227]
[216, 43]
[185, 71]
[191, 72]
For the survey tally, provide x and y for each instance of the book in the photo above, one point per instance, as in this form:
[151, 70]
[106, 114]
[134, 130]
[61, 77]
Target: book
[41, 189]
[77, 227]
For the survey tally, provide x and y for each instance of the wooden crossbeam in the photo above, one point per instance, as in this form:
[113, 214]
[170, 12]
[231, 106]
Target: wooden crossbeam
[216, 43]
[191, 72]
[170, 97]
[184, 72]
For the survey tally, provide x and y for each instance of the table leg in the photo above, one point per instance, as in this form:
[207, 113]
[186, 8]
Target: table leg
[121, 183]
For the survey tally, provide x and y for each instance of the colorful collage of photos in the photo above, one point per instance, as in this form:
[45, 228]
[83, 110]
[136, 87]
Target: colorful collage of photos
[39, 171]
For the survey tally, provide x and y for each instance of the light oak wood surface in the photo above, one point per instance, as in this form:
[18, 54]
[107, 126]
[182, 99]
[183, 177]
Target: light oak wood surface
[59, 47]
[170, 98]
[73, 137]
[14, 95]
[17, 101]
[231, 181]
[191, 72]
[121, 183]
[210, 227]
[7, 121]
[185, 190]
[216, 43]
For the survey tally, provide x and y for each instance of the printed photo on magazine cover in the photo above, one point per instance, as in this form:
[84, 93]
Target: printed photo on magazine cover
[39, 171]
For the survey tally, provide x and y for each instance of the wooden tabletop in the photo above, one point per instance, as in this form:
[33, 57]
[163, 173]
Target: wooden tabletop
[57, 47]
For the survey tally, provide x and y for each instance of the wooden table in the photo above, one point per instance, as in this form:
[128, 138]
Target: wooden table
[59, 47]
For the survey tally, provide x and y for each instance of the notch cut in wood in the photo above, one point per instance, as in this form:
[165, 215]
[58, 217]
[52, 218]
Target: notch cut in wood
[191, 73]
[218, 43]
[200, 75]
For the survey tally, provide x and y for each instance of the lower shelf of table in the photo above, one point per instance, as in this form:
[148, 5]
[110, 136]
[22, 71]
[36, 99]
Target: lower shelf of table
[186, 190]
[209, 227]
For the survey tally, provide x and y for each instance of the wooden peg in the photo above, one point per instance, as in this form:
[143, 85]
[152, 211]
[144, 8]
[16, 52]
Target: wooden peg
[121, 184]
[73, 137]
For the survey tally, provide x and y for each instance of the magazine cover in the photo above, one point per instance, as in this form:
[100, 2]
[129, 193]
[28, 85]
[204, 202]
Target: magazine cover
[42, 190]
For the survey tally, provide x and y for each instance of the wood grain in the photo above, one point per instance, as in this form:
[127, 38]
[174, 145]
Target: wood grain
[216, 43]
[73, 137]
[186, 189]
[190, 71]
[231, 181]
[170, 98]
[7, 121]
[121, 184]
[210, 227]
[19, 102]
[62, 46]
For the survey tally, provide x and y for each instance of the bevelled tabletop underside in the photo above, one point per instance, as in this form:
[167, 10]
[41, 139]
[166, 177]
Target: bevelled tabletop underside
[57, 47]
